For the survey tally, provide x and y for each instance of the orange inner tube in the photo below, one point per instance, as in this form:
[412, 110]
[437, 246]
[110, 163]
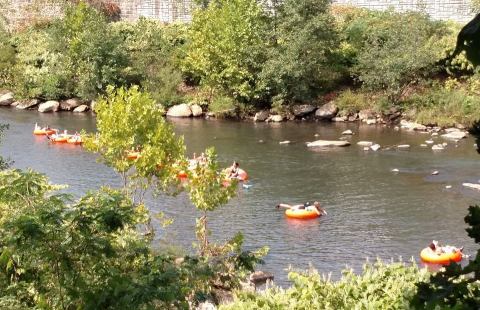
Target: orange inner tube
[133, 155]
[75, 140]
[43, 132]
[60, 138]
[301, 214]
[429, 256]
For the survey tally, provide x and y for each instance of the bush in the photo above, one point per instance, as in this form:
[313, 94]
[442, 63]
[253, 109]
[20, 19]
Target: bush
[7, 57]
[380, 286]
[153, 50]
[394, 50]
[40, 71]
[444, 107]
[223, 106]
[349, 102]
[303, 62]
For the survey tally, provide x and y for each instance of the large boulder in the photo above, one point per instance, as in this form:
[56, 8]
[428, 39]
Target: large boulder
[27, 104]
[261, 116]
[70, 104]
[327, 111]
[320, 143]
[472, 185]
[302, 109]
[412, 126]
[49, 106]
[196, 110]
[275, 118]
[81, 109]
[455, 135]
[180, 110]
[6, 99]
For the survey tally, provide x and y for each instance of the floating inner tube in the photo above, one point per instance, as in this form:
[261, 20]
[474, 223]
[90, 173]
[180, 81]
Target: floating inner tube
[75, 140]
[60, 138]
[242, 175]
[302, 214]
[44, 132]
[429, 256]
[131, 155]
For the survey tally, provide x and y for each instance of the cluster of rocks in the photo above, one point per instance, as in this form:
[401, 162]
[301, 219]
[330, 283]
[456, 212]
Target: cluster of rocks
[328, 111]
[185, 110]
[76, 105]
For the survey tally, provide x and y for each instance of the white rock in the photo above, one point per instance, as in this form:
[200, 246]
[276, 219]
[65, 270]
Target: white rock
[316, 135]
[180, 110]
[371, 121]
[456, 135]
[6, 99]
[434, 134]
[435, 172]
[276, 118]
[284, 142]
[339, 119]
[328, 143]
[437, 147]
[412, 126]
[396, 128]
[347, 132]
[449, 130]
[444, 144]
[395, 170]
[472, 185]
[375, 147]
[429, 142]
[403, 146]
[196, 110]
[49, 106]
[366, 148]
[423, 145]
[80, 109]
[448, 186]
[365, 143]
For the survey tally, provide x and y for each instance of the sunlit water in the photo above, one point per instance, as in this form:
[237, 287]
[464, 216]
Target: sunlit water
[372, 212]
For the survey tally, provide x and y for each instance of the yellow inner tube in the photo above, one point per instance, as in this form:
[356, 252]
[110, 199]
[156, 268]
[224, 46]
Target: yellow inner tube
[429, 256]
[301, 214]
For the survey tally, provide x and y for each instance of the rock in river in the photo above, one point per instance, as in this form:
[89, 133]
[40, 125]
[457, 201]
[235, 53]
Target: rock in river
[472, 185]
[261, 116]
[347, 132]
[275, 118]
[412, 126]
[196, 110]
[80, 109]
[70, 104]
[49, 106]
[375, 147]
[456, 135]
[365, 143]
[327, 111]
[302, 109]
[328, 143]
[6, 99]
[180, 110]
[27, 104]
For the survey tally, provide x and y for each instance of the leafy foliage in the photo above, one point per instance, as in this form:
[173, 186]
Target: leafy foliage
[59, 254]
[394, 50]
[226, 47]
[302, 62]
[380, 286]
[4, 163]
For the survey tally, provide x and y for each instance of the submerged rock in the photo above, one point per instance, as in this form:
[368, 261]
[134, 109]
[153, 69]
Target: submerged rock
[456, 135]
[375, 147]
[327, 143]
[347, 132]
[412, 126]
[275, 118]
[403, 146]
[472, 185]
[438, 147]
[365, 143]
[80, 109]
[284, 142]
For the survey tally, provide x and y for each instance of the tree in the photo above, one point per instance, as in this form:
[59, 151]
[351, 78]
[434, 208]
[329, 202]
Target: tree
[226, 48]
[395, 50]
[302, 61]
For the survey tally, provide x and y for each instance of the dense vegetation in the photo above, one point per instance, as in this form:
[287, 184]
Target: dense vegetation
[237, 56]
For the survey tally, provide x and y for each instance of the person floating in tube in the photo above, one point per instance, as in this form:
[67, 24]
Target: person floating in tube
[306, 206]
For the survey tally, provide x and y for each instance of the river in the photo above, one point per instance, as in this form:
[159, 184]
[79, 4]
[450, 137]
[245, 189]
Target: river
[372, 212]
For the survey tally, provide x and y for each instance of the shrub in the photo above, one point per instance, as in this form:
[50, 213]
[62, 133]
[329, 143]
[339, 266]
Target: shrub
[444, 107]
[349, 102]
[223, 106]
[7, 57]
[303, 62]
[380, 286]
[226, 48]
[394, 50]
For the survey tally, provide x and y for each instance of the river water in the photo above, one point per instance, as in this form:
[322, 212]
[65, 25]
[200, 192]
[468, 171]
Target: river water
[372, 212]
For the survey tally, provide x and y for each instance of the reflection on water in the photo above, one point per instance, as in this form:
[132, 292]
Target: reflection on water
[372, 212]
